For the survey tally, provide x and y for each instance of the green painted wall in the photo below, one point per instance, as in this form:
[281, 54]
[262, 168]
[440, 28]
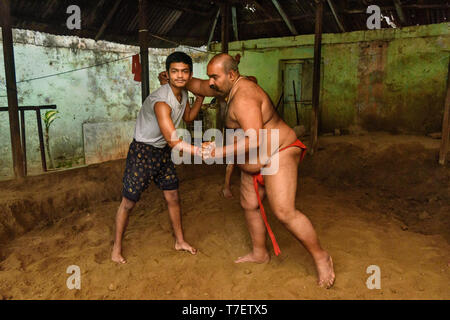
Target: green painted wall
[388, 79]
[101, 94]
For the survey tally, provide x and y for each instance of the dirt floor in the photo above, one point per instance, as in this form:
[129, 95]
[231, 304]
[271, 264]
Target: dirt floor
[376, 199]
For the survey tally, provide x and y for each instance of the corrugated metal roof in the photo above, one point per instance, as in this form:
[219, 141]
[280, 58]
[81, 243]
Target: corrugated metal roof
[188, 22]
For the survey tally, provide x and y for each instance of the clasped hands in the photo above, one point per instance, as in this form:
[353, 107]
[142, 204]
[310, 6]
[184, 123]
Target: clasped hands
[207, 150]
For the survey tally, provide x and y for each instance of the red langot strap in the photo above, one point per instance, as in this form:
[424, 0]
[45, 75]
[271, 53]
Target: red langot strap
[258, 178]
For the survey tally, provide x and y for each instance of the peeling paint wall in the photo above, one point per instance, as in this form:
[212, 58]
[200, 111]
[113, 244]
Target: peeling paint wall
[388, 79]
[106, 93]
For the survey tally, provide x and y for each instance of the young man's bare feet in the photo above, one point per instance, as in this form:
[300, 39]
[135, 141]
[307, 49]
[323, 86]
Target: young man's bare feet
[183, 245]
[116, 256]
[227, 193]
[251, 257]
[326, 271]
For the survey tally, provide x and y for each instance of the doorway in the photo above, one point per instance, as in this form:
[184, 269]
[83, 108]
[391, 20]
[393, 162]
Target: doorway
[296, 88]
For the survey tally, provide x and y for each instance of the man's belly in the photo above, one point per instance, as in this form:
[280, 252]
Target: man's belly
[250, 168]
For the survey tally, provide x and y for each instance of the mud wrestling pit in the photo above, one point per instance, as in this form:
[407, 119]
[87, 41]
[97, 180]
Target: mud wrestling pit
[365, 196]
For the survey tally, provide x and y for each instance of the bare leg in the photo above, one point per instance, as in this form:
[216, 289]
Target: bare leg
[226, 191]
[173, 205]
[255, 223]
[125, 208]
[281, 190]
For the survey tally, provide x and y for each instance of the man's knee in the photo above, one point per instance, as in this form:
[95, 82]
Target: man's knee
[286, 215]
[171, 196]
[127, 204]
[249, 205]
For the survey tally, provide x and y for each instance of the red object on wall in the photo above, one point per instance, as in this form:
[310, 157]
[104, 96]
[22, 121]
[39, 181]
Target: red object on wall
[136, 68]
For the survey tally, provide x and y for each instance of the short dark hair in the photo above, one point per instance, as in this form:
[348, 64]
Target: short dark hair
[178, 56]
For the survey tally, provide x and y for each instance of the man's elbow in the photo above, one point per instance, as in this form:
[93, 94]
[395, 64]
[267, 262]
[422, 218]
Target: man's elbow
[188, 120]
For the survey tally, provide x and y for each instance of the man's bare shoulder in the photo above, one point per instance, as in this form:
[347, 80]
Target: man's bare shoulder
[248, 92]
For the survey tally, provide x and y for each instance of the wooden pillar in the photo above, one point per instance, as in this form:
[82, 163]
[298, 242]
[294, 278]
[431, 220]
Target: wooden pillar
[316, 77]
[24, 140]
[445, 125]
[143, 44]
[225, 34]
[10, 75]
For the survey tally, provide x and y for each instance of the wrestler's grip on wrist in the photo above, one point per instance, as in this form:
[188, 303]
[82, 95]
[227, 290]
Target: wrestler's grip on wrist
[208, 149]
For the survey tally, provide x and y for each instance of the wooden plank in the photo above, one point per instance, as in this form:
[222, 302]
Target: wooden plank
[32, 108]
[10, 75]
[143, 44]
[41, 139]
[285, 17]
[316, 77]
[306, 16]
[176, 6]
[445, 125]
[108, 19]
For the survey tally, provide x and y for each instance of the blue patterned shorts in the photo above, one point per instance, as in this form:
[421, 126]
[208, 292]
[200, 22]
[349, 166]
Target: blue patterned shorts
[146, 163]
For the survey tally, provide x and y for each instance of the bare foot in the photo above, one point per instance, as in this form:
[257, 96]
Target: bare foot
[116, 256]
[227, 193]
[326, 272]
[185, 246]
[251, 257]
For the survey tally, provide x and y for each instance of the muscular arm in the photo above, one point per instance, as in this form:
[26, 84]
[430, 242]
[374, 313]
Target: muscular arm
[191, 113]
[162, 112]
[201, 87]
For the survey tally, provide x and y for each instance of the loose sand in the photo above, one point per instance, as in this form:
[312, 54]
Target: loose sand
[377, 199]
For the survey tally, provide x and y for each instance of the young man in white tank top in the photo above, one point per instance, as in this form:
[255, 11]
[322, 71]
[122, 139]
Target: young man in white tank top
[149, 155]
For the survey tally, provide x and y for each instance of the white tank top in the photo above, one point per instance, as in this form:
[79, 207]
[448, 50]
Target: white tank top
[147, 129]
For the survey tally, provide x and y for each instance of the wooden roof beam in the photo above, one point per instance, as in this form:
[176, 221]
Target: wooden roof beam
[211, 34]
[400, 12]
[170, 5]
[336, 15]
[285, 17]
[108, 19]
[267, 14]
[234, 21]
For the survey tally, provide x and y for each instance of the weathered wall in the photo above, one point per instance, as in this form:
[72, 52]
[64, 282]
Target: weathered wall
[106, 93]
[388, 79]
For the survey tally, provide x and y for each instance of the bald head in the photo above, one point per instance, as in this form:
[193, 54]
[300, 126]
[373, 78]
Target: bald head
[226, 61]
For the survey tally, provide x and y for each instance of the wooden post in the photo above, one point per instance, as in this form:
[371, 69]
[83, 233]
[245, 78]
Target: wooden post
[316, 77]
[224, 8]
[10, 74]
[445, 125]
[24, 140]
[41, 139]
[143, 44]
